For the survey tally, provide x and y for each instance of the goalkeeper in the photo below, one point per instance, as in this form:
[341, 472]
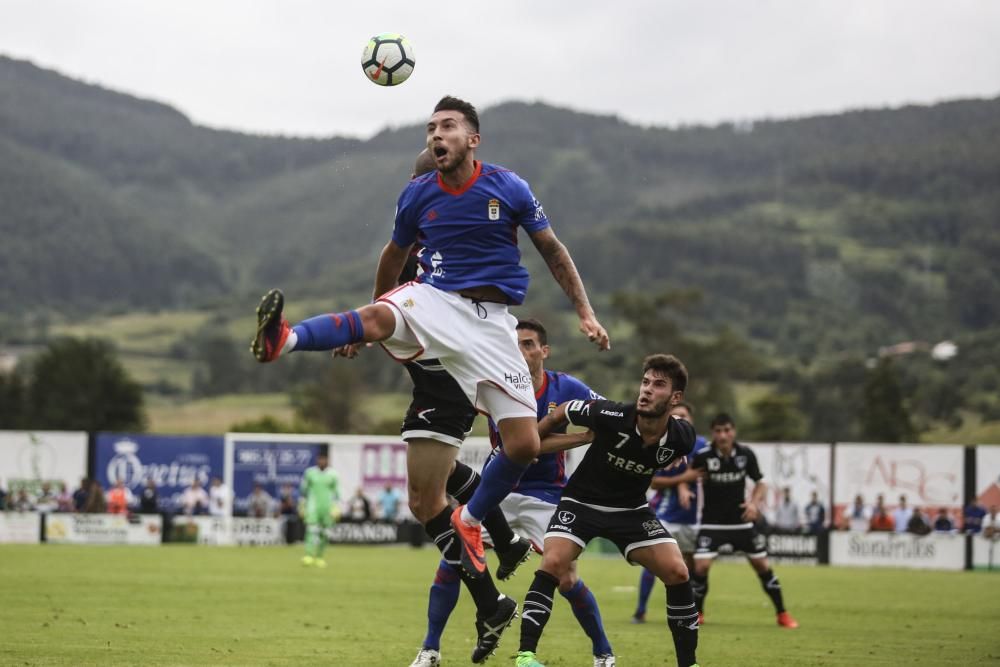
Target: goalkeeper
[319, 493]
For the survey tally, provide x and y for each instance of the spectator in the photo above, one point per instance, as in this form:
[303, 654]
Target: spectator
[881, 521]
[388, 502]
[95, 499]
[194, 500]
[786, 516]
[287, 504]
[3, 499]
[22, 501]
[288, 508]
[46, 501]
[943, 524]
[972, 518]
[917, 525]
[260, 504]
[149, 499]
[220, 499]
[64, 501]
[859, 516]
[359, 508]
[901, 517]
[120, 498]
[81, 495]
[991, 524]
[815, 515]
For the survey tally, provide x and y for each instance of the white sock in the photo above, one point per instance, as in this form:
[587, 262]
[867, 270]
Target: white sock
[468, 518]
[290, 342]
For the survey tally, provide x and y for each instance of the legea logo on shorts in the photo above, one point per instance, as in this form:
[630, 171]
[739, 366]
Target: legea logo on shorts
[566, 517]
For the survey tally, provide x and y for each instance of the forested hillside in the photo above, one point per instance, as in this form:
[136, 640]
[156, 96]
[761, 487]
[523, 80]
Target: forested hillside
[815, 240]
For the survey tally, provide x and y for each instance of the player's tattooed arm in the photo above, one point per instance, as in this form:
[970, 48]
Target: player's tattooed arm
[563, 269]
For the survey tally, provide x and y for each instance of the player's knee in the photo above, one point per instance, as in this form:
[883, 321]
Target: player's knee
[378, 321]
[523, 449]
[568, 580]
[676, 572]
[555, 567]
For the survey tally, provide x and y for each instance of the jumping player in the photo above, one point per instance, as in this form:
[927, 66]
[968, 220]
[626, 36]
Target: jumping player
[456, 312]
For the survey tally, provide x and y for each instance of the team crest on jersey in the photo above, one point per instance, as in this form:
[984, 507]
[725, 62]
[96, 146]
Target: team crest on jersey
[494, 209]
[408, 303]
[552, 407]
[663, 454]
[741, 462]
[566, 517]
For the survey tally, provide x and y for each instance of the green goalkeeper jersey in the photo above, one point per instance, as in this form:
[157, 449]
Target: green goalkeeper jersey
[320, 487]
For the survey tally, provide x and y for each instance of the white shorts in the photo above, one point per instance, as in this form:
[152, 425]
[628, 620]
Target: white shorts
[528, 516]
[685, 534]
[474, 340]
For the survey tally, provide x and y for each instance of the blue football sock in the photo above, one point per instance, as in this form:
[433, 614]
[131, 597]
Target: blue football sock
[585, 609]
[330, 331]
[499, 477]
[646, 582]
[443, 598]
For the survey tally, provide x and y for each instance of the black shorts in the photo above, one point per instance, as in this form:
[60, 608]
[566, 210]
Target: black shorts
[713, 540]
[439, 409]
[627, 529]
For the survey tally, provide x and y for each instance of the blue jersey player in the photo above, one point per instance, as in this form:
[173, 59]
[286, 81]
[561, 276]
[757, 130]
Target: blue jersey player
[465, 216]
[676, 506]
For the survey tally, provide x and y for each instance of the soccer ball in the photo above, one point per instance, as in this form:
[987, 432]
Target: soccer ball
[388, 59]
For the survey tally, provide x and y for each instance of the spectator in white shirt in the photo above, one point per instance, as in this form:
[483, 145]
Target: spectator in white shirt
[901, 517]
[786, 516]
[220, 499]
[194, 500]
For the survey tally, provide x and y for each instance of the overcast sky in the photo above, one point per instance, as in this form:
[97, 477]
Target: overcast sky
[293, 66]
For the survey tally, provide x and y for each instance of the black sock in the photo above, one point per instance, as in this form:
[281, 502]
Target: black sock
[484, 592]
[769, 580]
[699, 586]
[462, 483]
[682, 619]
[537, 609]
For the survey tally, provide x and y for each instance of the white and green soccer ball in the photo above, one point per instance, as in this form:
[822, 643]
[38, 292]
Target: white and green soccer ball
[388, 59]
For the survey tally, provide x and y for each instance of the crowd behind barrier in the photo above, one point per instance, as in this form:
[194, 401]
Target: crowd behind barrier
[844, 503]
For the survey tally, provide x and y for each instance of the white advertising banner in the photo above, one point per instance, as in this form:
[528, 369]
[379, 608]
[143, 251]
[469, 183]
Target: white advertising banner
[20, 527]
[227, 531]
[144, 529]
[930, 552]
[802, 467]
[930, 476]
[985, 553]
[988, 475]
[28, 458]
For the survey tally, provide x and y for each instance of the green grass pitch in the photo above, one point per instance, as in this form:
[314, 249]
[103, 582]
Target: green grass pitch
[189, 605]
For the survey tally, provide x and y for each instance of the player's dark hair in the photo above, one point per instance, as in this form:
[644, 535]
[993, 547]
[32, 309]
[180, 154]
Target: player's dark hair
[449, 103]
[536, 326]
[687, 406]
[722, 419]
[424, 164]
[670, 366]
